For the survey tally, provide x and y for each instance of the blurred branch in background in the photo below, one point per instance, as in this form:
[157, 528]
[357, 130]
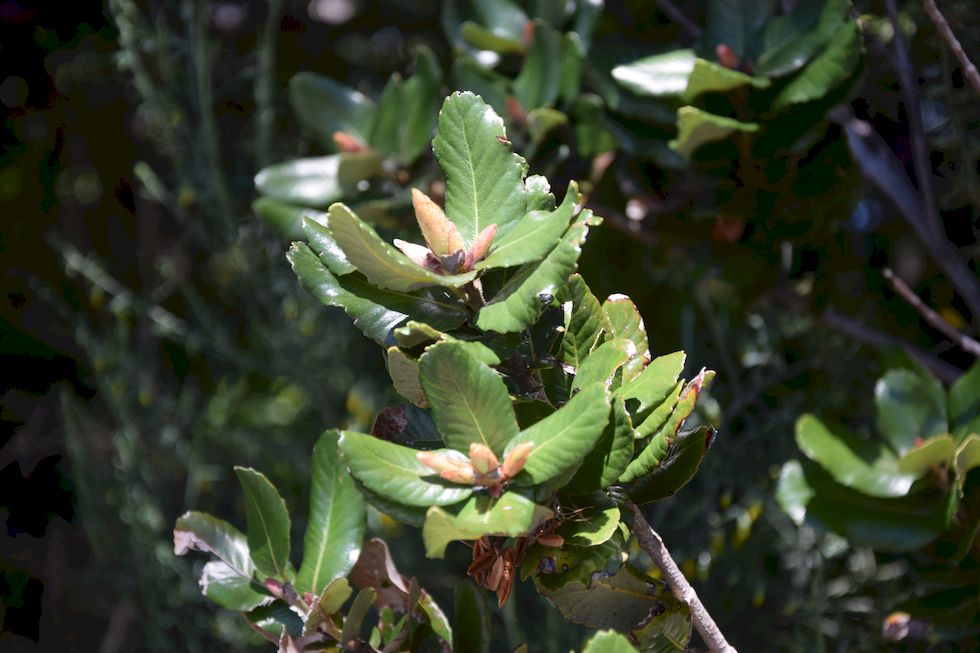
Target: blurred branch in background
[969, 70]
[963, 341]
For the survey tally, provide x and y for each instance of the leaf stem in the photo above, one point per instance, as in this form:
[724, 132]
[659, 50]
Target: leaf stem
[653, 545]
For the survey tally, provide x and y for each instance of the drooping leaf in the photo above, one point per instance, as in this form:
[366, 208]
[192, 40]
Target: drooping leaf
[472, 633]
[375, 569]
[964, 404]
[468, 75]
[469, 400]
[709, 77]
[229, 589]
[657, 75]
[511, 515]
[533, 236]
[394, 472]
[337, 519]
[323, 107]
[268, 523]
[381, 263]
[608, 641]
[564, 437]
[792, 40]
[584, 322]
[909, 408]
[484, 178]
[679, 465]
[625, 321]
[602, 363]
[538, 83]
[609, 458]
[314, 225]
[496, 25]
[652, 386]
[522, 298]
[375, 312]
[696, 128]
[827, 71]
[404, 373]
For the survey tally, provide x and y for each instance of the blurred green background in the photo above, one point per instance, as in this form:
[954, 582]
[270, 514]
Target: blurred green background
[153, 335]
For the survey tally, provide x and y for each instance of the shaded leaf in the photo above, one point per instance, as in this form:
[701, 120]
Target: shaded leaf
[421, 98]
[314, 225]
[472, 633]
[538, 83]
[657, 75]
[651, 387]
[404, 373]
[268, 523]
[788, 48]
[696, 128]
[909, 408]
[679, 465]
[968, 456]
[356, 614]
[511, 515]
[736, 23]
[337, 519]
[277, 614]
[323, 107]
[964, 404]
[827, 71]
[229, 589]
[329, 602]
[203, 532]
[286, 219]
[593, 526]
[609, 458]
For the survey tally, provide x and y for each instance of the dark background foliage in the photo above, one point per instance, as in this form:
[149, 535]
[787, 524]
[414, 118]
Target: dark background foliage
[153, 335]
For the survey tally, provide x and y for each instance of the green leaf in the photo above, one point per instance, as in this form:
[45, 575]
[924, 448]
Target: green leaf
[484, 179]
[679, 465]
[356, 614]
[553, 567]
[538, 83]
[468, 75]
[625, 321]
[404, 373]
[469, 400]
[382, 264]
[826, 72]
[696, 128]
[563, 438]
[389, 117]
[323, 107]
[864, 465]
[522, 298]
[967, 456]
[311, 182]
[893, 525]
[203, 532]
[964, 404]
[621, 601]
[484, 39]
[393, 472]
[572, 55]
[934, 452]
[651, 387]
[584, 322]
[737, 24]
[411, 515]
[512, 515]
[709, 77]
[329, 602]
[414, 334]
[658, 416]
[496, 25]
[787, 48]
[533, 236]
[277, 614]
[666, 632]
[315, 227]
[472, 633]
[603, 362]
[909, 408]
[285, 219]
[421, 106]
[374, 311]
[609, 458]
[593, 526]
[229, 589]
[657, 75]
[337, 519]
[268, 523]
[608, 641]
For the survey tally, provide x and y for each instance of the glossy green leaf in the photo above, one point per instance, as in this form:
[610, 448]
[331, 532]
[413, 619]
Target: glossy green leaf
[964, 404]
[656, 418]
[310, 182]
[484, 178]
[893, 525]
[321, 241]
[651, 387]
[625, 321]
[229, 589]
[381, 263]
[602, 363]
[609, 458]
[696, 128]
[411, 515]
[620, 601]
[472, 633]
[608, 641]
[657, 75]
[533, 236]
[374, 311]
[910, 408]
[931, 453]
[521, 300]
[679, 465]
[421, 99]
[337, 519]
[584, 322]
[866, 466]
[404, 373]
[393, 472]
[709, 77]
[203, 532]
[323, 107]
[827, 71]
[286, 219]
[469, 400]
[563, 438]
[512, 515]
[538, 83]
[268, 523]
[792, 40]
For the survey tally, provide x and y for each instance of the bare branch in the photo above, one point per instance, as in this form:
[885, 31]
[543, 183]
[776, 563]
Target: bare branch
[969, 70]
[651, 542]
[963, 341]
[678, 17]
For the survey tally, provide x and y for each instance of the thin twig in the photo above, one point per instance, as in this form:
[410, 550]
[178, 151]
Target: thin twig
[969, 70]
[678, 17]
[651, 542]
[963, 341]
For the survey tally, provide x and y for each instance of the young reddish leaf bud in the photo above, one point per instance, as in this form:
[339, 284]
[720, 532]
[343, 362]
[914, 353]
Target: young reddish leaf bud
[443, 461]
[481, 244]
[483, 459]
[274, 587]
[441, 234]
[348, 142]
[418, 254]
[514, 461]
[463, 475]
[727, 57]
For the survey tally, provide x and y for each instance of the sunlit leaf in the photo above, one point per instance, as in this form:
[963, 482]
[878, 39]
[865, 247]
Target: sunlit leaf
[657, 75]
[511, 515]
[696, 128]
[584, 321]
[324, 106]
[709, 77]
[826, 72]
[625, 321]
